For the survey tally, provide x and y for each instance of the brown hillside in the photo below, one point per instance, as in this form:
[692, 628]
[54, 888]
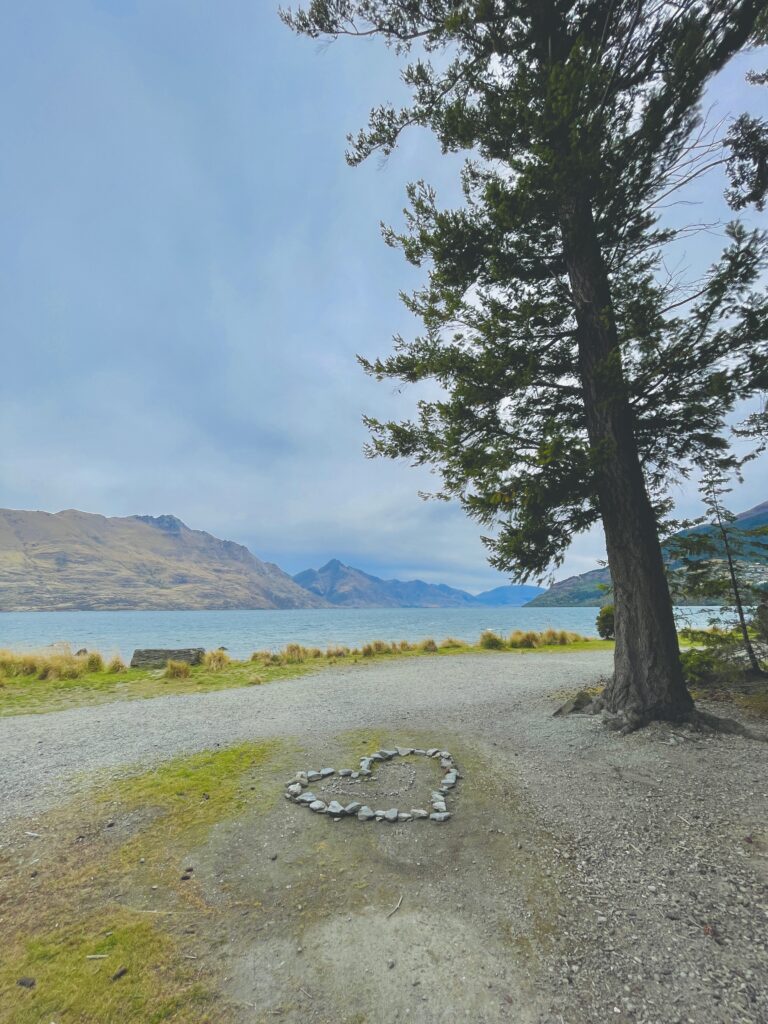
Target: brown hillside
[75, 560]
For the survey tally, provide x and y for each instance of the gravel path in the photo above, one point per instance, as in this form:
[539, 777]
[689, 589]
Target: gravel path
[658, 840]
[43, 756]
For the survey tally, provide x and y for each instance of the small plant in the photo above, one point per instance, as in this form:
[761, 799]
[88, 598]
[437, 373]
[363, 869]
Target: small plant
[450, 643]
[380, 647]
[428, 646]
[215, 661]
[336, 652]
[116, 665]
[177, 670]
[491, 641]
[606, 627]
[404, 646]
[367, 650]
[94, 662]
[294, 654]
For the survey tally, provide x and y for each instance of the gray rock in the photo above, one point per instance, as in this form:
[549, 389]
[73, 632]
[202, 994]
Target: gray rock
[439, 806]
[318, 806]
[404, 751]
[365, 762]
[326, 772]
[295, 789]
[389, 754]
[356, 775]
[418, 750]
[353, 808]
[365, 814]
[450, 779]
[159, 658]
[384, 755]
[306, 798]
[404, 816]
[419, 812]
[391, 814]
[446, 762]
[432, 751]
[313, 776]
[365, 772]
[335, 808]
[446, 753]
[439, 817]
[437, 795]
[345, 772]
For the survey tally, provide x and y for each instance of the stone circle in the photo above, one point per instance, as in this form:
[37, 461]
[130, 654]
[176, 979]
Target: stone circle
[297, 789]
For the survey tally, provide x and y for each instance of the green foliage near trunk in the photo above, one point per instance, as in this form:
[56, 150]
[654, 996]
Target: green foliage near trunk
[606, 627]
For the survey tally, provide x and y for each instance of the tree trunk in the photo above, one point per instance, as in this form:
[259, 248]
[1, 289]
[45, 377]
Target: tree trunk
[648, 680]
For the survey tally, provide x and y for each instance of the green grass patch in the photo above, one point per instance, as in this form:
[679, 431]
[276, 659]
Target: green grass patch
[34, 684]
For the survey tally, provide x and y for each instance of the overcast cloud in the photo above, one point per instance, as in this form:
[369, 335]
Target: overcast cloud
[188, 268]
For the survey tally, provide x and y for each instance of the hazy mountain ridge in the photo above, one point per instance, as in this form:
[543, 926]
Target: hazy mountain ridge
[587, 588]
[346, 587]
[77, 560]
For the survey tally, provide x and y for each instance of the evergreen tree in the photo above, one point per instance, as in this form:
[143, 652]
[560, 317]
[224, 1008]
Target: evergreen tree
[577, 383]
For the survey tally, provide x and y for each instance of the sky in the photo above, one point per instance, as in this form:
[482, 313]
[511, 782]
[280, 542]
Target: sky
[188, 269]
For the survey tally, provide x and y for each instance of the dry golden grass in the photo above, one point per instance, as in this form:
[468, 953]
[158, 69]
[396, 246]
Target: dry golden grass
[215, 661]
[177, 670]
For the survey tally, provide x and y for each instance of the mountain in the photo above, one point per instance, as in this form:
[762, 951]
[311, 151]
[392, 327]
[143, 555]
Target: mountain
[588, 588]
[513, 595]
[346, 587]
[75, 560]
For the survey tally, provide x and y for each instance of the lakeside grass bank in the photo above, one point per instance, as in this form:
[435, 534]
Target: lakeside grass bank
[36, 683]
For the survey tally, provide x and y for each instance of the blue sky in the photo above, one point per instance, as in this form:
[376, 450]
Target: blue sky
[188, 268]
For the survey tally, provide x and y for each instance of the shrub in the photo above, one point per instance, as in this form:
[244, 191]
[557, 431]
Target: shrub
[515, 638]
[116, 664]
[367, 650]
[177, 670]
[550, 637]
[605, 622]
[380, 647]
[336, 652]
[94, 662]
[450, 643]
[491, 641]
[705, 667]
[294, 654]
[215, 661]
[405, 646]
[530, 639]
[428, 645]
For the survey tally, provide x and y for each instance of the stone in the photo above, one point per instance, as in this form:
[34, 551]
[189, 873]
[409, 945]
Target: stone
[159, 657]
[391, 814]
[365, 772]
[419, 812]
[437, 795]
[417, 750]
[450, 779]
[432, 751]
[353, 807]
[446, 754]
[389, 754]
[365, 814]
[439, 806]
[365, 762]
[26, 982]
[404, 816]
[439, 817]
[334, 807]
[313, 776]
[295, 789]
[345, 772]
[356, 775]
[404, 751]
[578, 703]
[306, 798]
[318, 806]
[446, 762]
[327, 772]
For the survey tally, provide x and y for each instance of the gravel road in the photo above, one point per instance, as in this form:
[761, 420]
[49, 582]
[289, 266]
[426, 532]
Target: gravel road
[658, 841]
[42, 757]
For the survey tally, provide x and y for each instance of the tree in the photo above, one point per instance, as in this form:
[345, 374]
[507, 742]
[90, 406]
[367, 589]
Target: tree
[747, 140]
[708, 558]
[577, 383]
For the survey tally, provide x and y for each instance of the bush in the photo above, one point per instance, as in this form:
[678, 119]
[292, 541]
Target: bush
[450, 643]
[380, 647]
[215, 661]
[605, 623]
[491, 641]
[405, 646]
[177, 670]
[94, 662]
[116, 665]
[294, 654]
[428, 646]
[707, 667]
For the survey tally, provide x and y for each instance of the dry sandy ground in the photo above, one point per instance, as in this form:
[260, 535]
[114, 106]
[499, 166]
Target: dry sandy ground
[583, 877]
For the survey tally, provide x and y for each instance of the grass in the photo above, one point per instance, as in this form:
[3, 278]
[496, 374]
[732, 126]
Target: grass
[38, 683]
[83, 931]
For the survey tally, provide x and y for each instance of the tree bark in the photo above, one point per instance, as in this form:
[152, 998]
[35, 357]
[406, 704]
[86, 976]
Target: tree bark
[648, 680]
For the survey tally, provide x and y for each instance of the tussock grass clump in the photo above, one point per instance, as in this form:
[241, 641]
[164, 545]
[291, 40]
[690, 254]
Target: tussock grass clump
[491, 641]
[404, 646]
[294, 654]
[13, 665]
[116, 664]
[61, 666]
[367, 650]
[215, 661]
[451, 643]
[336, 652]
[428, 645]
[381, 647]
[94, 662]
[177, 670]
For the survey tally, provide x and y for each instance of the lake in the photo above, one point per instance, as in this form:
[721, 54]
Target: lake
[243, 632]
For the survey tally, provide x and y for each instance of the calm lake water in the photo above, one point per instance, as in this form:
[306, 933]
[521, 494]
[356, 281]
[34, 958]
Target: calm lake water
[243, 632]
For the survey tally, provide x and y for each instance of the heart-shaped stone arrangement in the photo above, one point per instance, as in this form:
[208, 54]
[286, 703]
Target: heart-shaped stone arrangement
[297, 789]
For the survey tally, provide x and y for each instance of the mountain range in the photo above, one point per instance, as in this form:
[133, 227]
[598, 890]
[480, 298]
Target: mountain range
[75, 560]
[589, 588]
